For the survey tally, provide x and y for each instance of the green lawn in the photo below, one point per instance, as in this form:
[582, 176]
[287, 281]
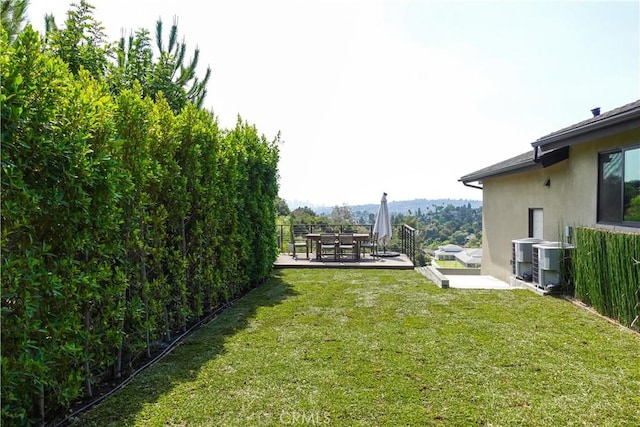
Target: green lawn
[448, 264]
[389, 348]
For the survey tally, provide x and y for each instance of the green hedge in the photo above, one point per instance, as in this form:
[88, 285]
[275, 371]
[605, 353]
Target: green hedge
[607, 273]
[122, 224]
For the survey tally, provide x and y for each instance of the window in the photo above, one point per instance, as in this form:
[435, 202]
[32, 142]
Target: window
[619, 187]
[536, 222]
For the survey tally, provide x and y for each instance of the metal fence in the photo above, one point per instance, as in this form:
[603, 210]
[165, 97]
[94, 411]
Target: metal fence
[408, 239]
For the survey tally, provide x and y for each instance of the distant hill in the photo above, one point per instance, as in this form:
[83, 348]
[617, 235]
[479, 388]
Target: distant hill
[403, 207]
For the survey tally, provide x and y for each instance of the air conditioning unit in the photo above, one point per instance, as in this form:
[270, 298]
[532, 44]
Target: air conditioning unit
[522, 257]
[551, 259]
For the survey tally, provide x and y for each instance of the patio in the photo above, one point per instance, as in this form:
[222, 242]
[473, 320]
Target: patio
[401, 262]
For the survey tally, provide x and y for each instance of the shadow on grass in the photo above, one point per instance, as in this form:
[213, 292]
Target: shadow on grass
[184, 363]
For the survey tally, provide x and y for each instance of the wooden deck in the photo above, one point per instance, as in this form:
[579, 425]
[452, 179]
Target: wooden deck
[401, 262]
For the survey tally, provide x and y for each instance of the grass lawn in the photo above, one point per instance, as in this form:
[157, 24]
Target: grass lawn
[388, 348]
[448, 264]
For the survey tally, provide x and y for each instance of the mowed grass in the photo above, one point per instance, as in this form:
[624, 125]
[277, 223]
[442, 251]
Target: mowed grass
[388, 348]
[448, 264]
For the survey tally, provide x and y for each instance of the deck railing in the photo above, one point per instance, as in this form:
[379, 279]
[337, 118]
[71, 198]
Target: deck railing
[408, 239]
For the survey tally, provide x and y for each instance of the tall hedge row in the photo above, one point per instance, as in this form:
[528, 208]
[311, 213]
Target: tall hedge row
[122, 224]
[606, 269]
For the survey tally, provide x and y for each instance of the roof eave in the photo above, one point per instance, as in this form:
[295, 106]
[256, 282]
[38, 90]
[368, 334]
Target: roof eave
[620, 123]
[496, 173]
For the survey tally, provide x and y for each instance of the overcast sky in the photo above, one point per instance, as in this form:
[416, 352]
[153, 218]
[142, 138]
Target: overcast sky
[396, 96]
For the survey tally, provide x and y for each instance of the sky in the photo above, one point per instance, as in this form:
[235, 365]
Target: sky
[403, 97]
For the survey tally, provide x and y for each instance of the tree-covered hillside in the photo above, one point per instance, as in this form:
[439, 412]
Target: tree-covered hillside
[460, 225]
[436, 225]
[401, 206]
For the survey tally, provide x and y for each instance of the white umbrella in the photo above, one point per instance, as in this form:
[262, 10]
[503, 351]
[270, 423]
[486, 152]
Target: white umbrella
[383, 223]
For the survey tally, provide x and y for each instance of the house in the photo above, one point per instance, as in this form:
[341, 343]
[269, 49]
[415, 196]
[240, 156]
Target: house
[587, 174]
[470, 258]
[467, 257]
[447, 252]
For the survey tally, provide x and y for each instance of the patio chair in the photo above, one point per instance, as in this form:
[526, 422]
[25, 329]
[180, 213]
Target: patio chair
[372, 244]
[296, 241]
[327, 244]
[346, 244]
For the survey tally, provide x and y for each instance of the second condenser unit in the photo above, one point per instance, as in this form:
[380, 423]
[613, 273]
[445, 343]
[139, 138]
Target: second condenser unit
[522, 257]
[551, 262]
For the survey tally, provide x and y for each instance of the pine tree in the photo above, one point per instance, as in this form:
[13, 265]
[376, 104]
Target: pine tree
[13, 16]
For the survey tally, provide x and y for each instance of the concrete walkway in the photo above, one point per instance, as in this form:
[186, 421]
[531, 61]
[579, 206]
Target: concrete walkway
[477, 282]
[463, 281]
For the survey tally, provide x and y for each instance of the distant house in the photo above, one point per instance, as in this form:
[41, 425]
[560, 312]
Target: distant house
[467, 257]
[587, 174]
[447, 252]
[470, 258]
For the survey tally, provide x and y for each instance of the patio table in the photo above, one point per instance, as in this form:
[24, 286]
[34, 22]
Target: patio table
[314, 238]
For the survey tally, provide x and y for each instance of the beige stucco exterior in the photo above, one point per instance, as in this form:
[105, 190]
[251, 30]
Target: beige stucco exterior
[569, 200]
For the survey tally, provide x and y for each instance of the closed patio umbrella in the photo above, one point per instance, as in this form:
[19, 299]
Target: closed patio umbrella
[382, 226]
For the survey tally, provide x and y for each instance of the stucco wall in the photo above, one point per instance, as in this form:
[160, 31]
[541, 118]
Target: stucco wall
[570, 200]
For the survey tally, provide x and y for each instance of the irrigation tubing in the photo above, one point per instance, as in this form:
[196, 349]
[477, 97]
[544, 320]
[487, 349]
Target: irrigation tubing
[69, 418]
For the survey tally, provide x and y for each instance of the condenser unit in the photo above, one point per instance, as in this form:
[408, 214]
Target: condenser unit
[551, 259]
[522, 257]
